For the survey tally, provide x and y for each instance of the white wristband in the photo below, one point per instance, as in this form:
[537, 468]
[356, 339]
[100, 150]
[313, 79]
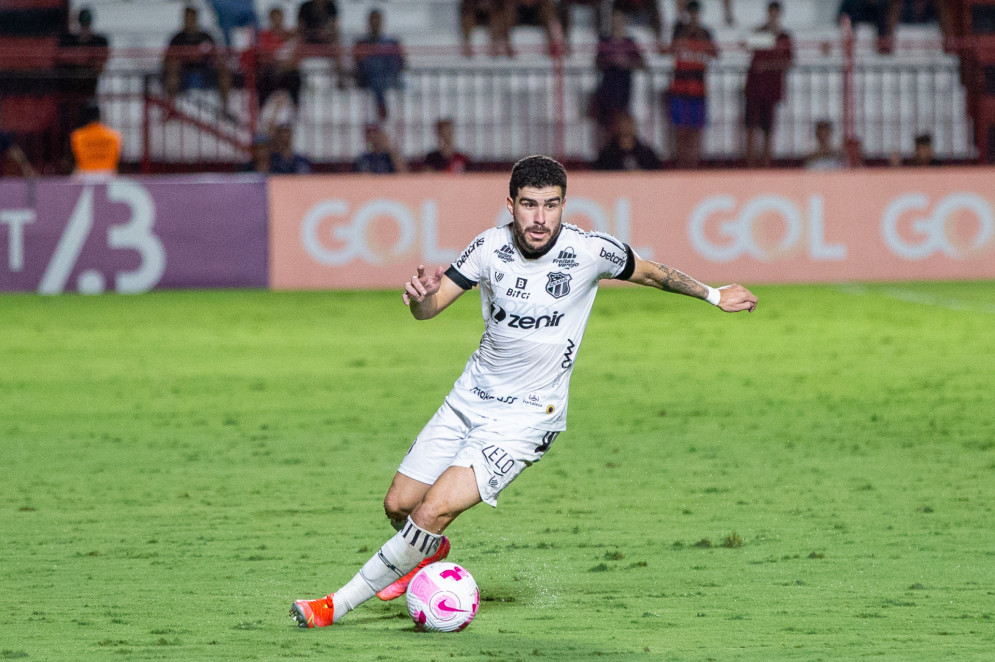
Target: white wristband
[714, 296]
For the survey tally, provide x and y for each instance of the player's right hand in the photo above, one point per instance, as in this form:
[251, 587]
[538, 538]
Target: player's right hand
[419, 287]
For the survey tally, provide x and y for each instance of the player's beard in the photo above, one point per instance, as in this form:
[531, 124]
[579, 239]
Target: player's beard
[523, 247]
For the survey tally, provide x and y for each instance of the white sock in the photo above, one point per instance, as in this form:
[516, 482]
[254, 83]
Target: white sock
[398, 556]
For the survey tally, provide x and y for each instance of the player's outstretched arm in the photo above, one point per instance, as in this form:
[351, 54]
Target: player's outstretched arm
[731, 298]
[427, 296]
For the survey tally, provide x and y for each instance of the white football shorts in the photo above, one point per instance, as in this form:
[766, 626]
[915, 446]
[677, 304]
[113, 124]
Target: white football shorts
[496, 451]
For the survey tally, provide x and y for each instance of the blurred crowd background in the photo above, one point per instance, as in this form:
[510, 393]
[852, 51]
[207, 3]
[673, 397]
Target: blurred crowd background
[388, 86]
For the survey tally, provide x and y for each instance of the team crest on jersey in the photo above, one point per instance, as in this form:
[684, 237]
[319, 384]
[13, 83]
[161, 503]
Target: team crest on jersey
[567, 258]
[506, 253]
[498, 276]
[558, 284]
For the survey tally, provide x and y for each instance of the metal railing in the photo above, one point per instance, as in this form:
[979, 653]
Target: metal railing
[505, 108]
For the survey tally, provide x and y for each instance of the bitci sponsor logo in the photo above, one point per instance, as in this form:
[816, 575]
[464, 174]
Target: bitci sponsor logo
[518, 291]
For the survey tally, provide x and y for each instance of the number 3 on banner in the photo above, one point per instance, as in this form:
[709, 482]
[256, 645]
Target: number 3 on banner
[136, 234]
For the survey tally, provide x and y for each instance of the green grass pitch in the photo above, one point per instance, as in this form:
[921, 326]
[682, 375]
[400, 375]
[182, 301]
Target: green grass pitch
[814, 481]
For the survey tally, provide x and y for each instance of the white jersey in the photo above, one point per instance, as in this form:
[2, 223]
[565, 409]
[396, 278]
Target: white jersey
[535, 312]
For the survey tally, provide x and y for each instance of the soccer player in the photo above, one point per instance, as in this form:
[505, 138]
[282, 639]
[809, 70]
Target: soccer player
[538, 278]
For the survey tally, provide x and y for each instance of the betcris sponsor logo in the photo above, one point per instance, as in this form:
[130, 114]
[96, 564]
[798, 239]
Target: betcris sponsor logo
[469, 251]
[612, 257]
[502, 316]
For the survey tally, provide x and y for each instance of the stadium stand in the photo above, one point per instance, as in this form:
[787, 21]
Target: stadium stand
[504, 107]
[977, 23]
[29, 39]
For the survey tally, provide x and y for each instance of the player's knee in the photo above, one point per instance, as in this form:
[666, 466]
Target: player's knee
[433, 515]
[395, 509]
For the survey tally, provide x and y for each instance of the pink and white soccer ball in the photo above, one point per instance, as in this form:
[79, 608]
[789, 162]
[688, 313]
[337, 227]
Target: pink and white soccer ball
[443, 597]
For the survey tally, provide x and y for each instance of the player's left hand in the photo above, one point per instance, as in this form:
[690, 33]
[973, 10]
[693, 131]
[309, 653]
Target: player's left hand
[736, 298]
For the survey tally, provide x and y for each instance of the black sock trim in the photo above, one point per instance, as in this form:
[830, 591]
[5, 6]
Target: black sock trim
[425, 542]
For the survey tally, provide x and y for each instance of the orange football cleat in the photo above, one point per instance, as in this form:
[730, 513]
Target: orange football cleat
[400, 587]
[313, 613]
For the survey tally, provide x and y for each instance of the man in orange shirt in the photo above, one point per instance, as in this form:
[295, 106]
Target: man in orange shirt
[96, 146]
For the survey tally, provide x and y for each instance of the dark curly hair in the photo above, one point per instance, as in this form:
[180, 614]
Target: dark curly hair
[537, 171]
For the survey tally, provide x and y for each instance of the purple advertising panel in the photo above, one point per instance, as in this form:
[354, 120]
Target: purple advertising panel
[132, 234]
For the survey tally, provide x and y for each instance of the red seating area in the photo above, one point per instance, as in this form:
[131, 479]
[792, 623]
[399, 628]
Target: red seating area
[977, 28]
[29, 44]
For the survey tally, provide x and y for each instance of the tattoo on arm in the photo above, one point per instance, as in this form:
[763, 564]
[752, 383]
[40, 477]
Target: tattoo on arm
[669, 279]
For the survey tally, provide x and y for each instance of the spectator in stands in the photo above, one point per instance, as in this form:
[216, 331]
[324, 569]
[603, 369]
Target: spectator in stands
[261, 155]
[645, 13]
[929, 11]
[692, 46]
[639, 12]
[9, 149]
[539, 13]
[772, 57]
[81, 59]
[618, 56]
[318, 25]
[279, 109]
[922, 154]
[882, 14]
[918, 11]
[284, 160]
[318, 22]
[445, 157]
[278, 59]
[682, 8]
[233, 14]
[500, 16]
[82, 56]
[380, 157]
[625, 151]
[193, 62]
[826, 156]
[490, 14]
[379, 62]
[96, 147]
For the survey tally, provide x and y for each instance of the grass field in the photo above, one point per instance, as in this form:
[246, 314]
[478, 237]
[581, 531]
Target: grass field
[815, 481]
